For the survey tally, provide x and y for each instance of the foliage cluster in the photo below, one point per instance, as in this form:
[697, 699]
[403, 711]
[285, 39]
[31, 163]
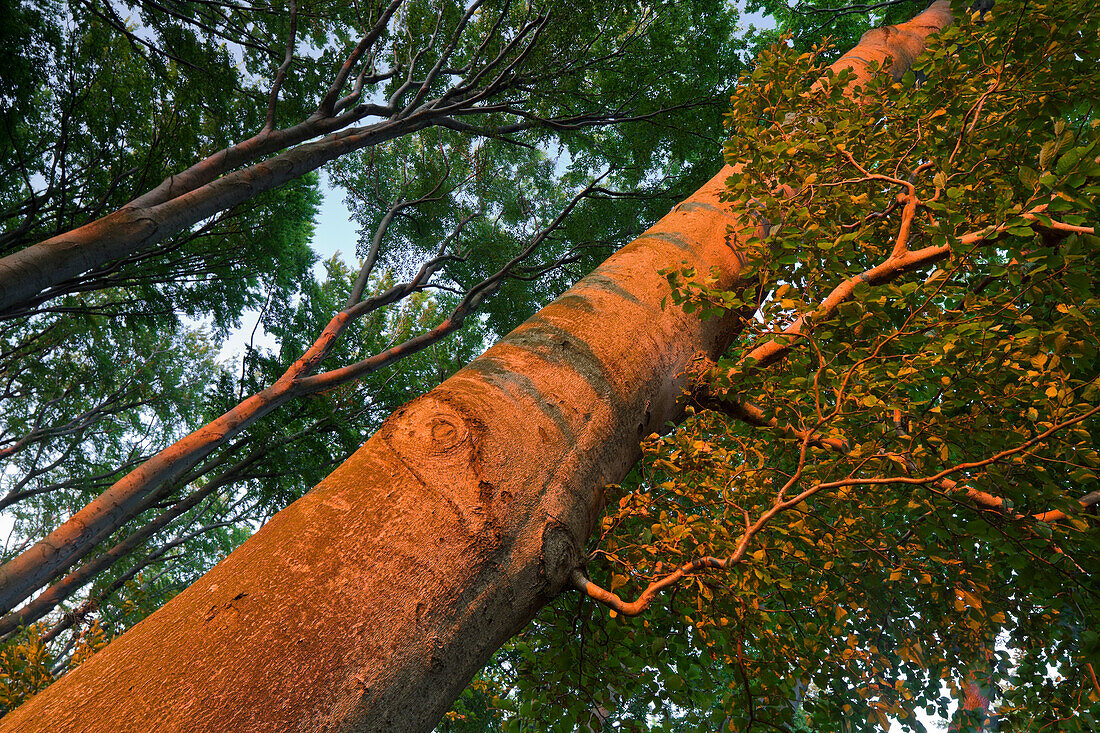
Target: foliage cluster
[881, 474]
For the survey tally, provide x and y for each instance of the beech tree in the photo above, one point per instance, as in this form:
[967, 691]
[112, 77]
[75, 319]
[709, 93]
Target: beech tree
[879, 497]
[369, 603]
[449, 231]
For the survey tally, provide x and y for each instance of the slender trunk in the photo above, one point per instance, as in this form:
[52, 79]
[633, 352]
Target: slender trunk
[52, 596]
[369, 603]
[133, 493]
[27, 273]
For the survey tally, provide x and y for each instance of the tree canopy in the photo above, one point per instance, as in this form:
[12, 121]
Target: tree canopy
[884, 497]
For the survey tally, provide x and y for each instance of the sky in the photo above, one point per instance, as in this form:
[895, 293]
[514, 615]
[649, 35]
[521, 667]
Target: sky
[334, 233]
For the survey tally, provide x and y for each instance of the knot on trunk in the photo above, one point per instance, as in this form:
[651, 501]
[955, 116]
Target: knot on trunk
[560, 556]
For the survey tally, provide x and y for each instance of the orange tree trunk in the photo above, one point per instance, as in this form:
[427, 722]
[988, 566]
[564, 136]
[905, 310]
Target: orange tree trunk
[369, 603]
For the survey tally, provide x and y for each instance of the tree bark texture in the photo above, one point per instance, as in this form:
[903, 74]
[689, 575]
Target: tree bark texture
[368, 604]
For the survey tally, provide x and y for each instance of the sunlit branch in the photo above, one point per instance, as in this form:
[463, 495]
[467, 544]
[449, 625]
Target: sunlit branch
[581, 582]
[750, 414]
[900, 261]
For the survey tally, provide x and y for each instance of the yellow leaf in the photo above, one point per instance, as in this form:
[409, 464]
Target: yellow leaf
[971, 600]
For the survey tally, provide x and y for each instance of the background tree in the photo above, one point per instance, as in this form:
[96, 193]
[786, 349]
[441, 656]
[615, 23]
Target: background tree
[484, 69]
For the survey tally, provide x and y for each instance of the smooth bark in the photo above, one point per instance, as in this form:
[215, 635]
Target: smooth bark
[368, 604]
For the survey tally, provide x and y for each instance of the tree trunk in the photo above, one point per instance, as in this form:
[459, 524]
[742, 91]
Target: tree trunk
[368, 604]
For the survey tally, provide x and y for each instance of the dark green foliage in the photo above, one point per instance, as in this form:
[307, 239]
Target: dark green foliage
[666, 68]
